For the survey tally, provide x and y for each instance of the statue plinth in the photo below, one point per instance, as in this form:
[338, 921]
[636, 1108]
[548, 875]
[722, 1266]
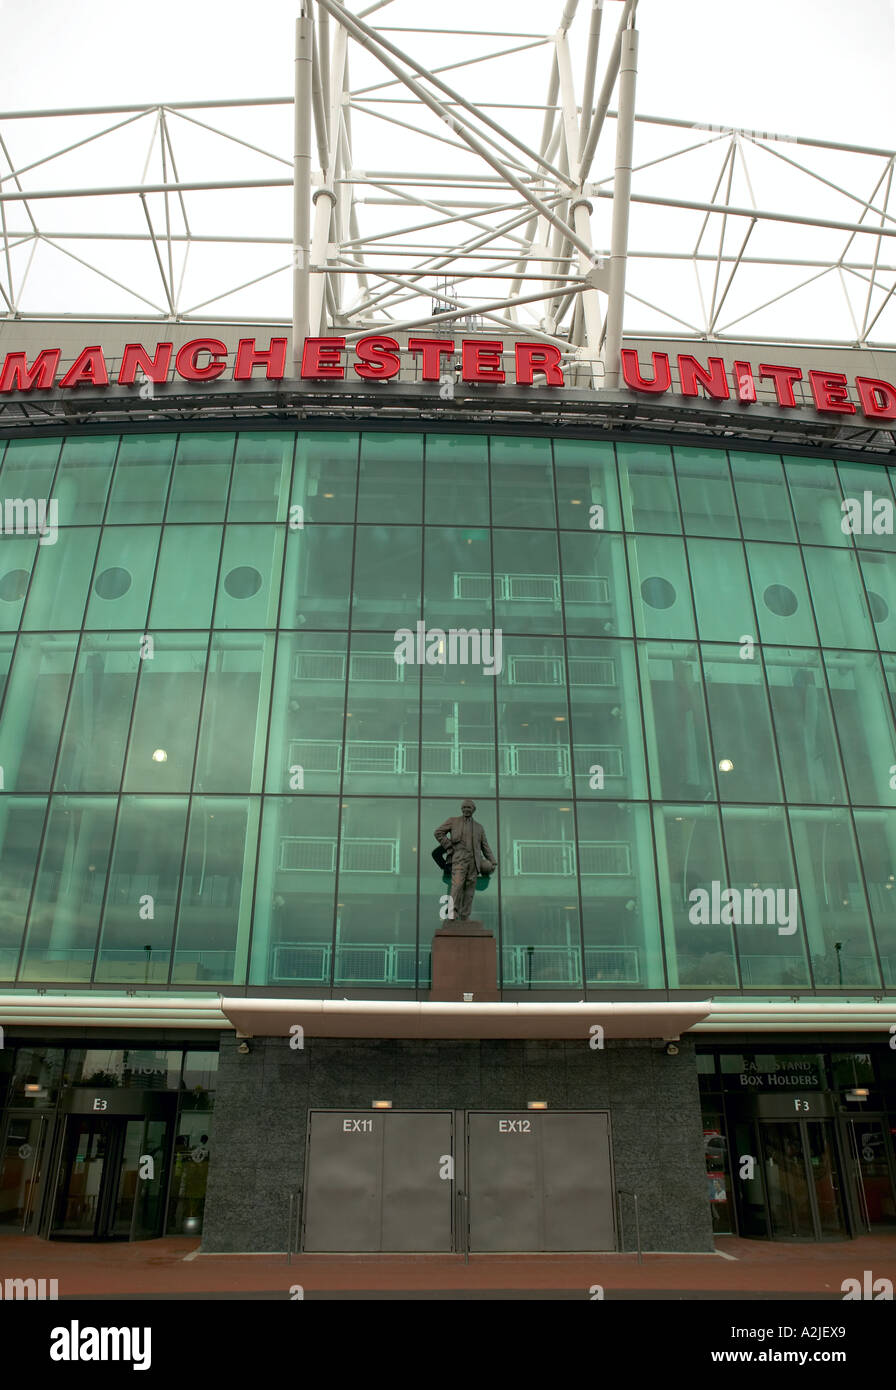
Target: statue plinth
[464, 961]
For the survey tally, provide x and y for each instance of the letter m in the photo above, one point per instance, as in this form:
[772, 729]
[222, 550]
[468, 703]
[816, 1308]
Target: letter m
[18, 376]
[16, 1288]
[15, 510]
[755, 899]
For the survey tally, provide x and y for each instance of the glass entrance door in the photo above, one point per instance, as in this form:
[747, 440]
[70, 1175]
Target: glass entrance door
[111, 1179]
[21, 1171]
[802, 1180]
[874, 1174]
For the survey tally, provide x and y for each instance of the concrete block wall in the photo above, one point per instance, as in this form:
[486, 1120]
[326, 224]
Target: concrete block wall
[263, 1099]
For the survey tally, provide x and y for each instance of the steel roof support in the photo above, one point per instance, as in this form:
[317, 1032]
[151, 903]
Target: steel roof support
[301, 186]
[622, 188]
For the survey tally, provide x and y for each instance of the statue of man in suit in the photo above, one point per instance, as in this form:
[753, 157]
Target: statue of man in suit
[467, 853]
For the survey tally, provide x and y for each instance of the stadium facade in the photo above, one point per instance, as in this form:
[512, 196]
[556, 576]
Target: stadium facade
[277, 598]
[221, 781]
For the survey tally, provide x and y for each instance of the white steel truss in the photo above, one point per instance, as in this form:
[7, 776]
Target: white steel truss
[565, 218]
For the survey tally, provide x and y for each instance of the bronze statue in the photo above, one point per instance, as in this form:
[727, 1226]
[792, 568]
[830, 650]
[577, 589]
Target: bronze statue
[465, 853]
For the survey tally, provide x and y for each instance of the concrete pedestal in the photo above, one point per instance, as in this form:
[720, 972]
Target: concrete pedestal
[464, 961]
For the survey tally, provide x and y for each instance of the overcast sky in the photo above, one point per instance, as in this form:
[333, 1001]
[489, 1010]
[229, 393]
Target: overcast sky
[819, 68]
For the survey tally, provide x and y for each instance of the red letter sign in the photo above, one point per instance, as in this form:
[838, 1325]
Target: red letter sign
[631, 371]
[321, 359]
[18, 376]
[185, 361]
[538, 357]
[714, 379]
[247, 355]
[481, 359]
[784, 377]
[878, 397]
[378, 356]
[153, 368]
[433, 350]
[829, 390]
[88, 369]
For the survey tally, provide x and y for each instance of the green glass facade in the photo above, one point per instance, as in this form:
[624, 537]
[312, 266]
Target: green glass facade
[215, 773]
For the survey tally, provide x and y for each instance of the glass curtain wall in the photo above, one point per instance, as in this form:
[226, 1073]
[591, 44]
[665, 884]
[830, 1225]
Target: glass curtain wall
[245, 674]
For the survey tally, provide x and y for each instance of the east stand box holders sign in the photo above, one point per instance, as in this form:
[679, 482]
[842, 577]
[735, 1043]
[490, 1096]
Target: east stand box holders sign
[377, 357]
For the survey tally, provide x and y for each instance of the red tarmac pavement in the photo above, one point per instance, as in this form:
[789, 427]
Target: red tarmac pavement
[165, 1267]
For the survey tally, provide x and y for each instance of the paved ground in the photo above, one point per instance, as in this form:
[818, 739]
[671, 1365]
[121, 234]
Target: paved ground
[173, 1268]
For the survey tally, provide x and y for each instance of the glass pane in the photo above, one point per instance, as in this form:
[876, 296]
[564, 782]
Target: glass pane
[7, 645]
[825, 1177]
[262, 475]
[251, 566]
[721, 591]
[457, 479]
[740, 726]
[595, 585]
[325, 480]
[678, 750]
[317, 577]
[458, 719]
[623, 943]
[780, 595]
[308, 711]
[235, 713]
[541, 938]
[96, 726]
[68, 893]
[875, 529]
[376, 911]
[292, 937]
[186, 577]
[771, 933]
[21, 823]
[876, 831]
[838, 594]
[785, 1179]
[201, 477]
[61, 582]
[864, 720]
[815, 490]
[707, 497]
[390, 486]
[382, 721]
[762, 497]
[123, 577]
[85, 471]
[387, 577]
[138, 921]
[140, 484]
[527, 581]
[699, 952]
[608, 743]
[21, 1163]
[649, 500]
[29, 466]
[457, 578]
[216, 891]
[661, 591]
[879, 578]
[33, 711]
[833, 900]
[522, 482]
[533, 720]
[160, 756]
[19, 553]
[801, 711]
[586, 480]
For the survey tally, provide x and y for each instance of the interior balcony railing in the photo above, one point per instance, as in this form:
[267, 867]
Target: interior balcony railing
[388, 964]
[379, 667]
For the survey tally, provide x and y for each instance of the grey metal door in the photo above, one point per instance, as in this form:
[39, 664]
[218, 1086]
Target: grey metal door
[379, 1181]
[540, 1181]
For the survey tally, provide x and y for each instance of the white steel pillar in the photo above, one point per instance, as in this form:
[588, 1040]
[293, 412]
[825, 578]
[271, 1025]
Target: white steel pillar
[324, 202]
[301, 185]
[622, 187]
